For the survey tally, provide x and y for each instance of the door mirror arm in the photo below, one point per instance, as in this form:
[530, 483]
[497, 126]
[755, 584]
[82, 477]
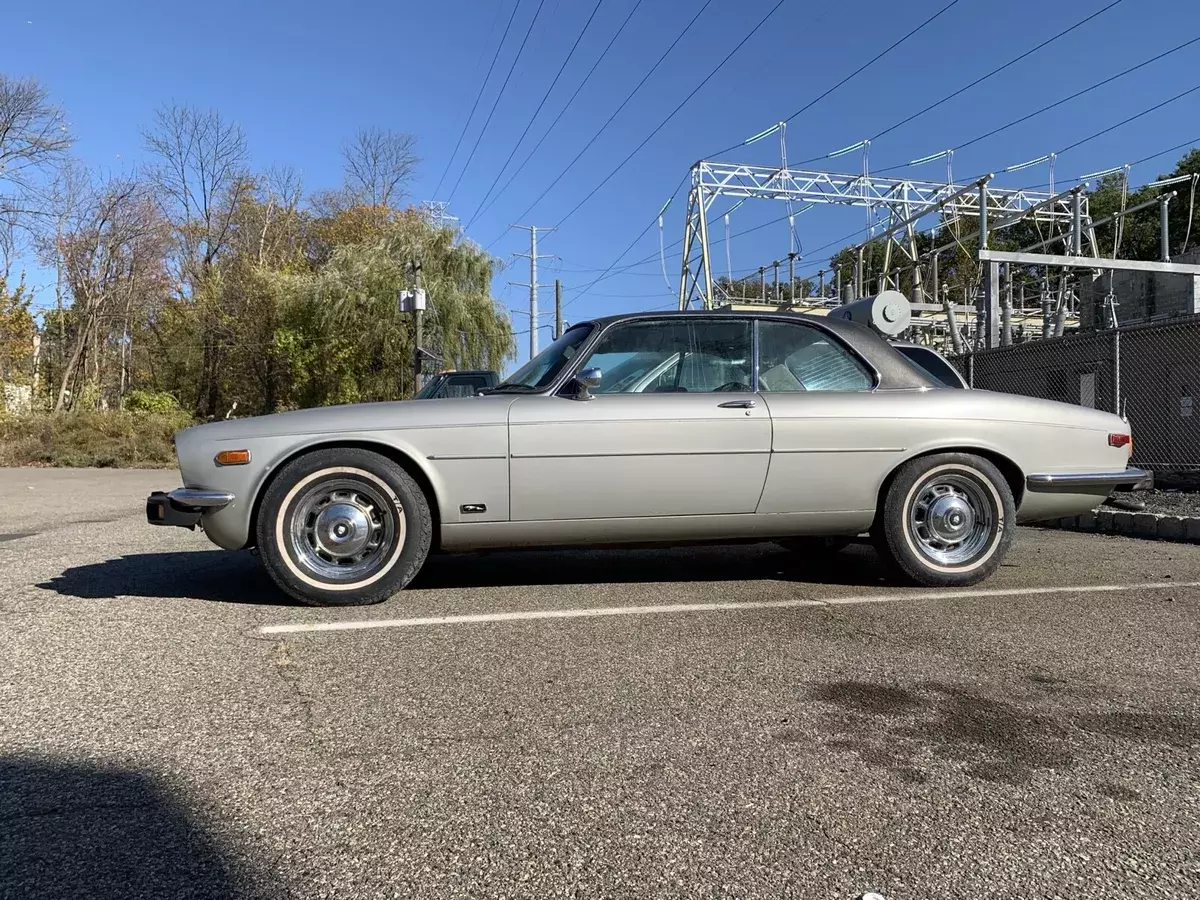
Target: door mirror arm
[584, 382]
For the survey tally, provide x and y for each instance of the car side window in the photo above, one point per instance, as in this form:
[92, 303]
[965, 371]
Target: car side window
[674, 356]
[463, 386]
[798, 357]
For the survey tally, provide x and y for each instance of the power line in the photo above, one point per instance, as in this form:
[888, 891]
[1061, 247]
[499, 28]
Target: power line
[798, 112]
[1057, 103]
[624, 103]
[1132, 118]
[753, 31]
[561, 112]
[496, 102]
[632, 244]
[529, 124]
[995, 71]
[1076, 144]
[856, 72]
[478, 97]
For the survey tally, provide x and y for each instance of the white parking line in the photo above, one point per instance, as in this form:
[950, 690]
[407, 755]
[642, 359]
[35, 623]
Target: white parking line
[733, 606]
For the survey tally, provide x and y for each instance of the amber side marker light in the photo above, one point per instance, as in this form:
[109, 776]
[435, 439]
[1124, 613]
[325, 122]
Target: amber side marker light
[241, 457]
[1120, 440]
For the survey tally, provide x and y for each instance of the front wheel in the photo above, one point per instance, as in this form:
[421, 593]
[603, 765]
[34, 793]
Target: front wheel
[343, 527]
[946, 520]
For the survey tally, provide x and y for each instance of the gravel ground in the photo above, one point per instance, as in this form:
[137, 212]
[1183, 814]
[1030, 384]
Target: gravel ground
[1168, 502]
[1007, 742]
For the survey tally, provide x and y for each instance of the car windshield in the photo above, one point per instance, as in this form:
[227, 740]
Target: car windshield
[431, 388]
[541, 371]
[932, 366]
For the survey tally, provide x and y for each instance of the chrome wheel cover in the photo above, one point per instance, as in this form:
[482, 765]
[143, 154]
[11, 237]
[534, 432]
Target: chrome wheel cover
[343, 529]
[952, 519]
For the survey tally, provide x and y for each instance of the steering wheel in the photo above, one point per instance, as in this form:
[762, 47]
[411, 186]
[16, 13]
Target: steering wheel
[732, 386]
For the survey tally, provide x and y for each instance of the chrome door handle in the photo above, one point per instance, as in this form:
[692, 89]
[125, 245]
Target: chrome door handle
[737, 404]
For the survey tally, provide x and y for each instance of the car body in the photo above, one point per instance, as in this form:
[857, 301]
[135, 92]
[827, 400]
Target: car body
[458, 383]
[652, 428]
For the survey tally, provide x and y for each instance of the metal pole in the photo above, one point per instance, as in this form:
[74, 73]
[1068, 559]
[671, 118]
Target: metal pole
[1164, 228]
[1007, 308]
[533, 310]
[983, 217]
[821, 284]
[1077, 222]
[1046, 303]
[991, 308]
[792, 276]
[762, 281]
[1116, 370]
[858, 276]
[838, 285]
[557, 308]
[776, 285]
[417, 336]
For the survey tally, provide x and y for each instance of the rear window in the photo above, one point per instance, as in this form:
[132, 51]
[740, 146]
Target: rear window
[931, 364]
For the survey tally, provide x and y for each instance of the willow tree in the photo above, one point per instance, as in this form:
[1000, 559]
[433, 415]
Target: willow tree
[355, 296]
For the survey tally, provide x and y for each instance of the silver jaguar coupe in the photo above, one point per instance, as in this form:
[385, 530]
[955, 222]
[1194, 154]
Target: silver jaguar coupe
[652, 428]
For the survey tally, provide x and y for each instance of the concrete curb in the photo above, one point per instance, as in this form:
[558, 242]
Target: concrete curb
[1152, 526]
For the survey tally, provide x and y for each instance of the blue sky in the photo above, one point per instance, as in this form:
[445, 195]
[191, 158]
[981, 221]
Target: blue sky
[302, 76]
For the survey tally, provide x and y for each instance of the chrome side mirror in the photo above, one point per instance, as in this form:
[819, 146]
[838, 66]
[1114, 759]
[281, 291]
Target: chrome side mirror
[585, 381]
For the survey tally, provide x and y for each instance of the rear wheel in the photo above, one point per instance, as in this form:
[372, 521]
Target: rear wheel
[343, 527]
[946, 520]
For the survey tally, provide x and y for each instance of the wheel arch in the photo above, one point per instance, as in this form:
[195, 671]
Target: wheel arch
[404, 460]
[1012, 473]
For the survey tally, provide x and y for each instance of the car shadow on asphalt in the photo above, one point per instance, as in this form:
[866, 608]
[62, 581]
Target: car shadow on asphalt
[221, 576]
[855, 566]
[74, 829]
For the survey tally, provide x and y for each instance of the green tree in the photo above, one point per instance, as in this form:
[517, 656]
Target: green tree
[17, 334]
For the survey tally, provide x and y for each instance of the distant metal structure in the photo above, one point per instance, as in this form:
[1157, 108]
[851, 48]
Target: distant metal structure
[897, 204]
[435, 212]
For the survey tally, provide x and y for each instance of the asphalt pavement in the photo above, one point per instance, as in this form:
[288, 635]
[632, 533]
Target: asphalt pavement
[806, 730]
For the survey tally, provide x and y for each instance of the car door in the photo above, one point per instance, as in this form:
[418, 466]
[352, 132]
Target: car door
[672, 429]
[833, 437]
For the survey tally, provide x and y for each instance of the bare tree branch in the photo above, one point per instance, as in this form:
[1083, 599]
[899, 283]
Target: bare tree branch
[200, 178]
[34, 140]
[378, 165]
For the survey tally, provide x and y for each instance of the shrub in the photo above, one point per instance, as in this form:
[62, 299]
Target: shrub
[87, 438]
[152, 401]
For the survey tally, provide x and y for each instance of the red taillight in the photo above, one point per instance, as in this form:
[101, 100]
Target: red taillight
[1119, 440]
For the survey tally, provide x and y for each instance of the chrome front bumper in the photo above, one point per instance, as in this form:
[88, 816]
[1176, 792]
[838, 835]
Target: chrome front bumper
[183, 507]
[1084, 482]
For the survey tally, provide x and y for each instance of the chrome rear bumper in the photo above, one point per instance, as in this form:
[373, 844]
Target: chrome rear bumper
[1084, 482]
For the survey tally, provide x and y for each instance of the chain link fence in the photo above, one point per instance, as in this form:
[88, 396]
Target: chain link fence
[1149, 373]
